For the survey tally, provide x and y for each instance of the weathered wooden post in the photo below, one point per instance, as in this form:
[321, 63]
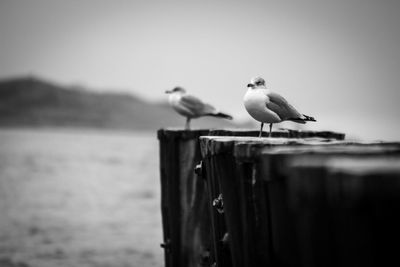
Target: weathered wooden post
[191, 236]
[185, 214]
[229, 163]
[185, 201]
[261, 196]
[332, 205]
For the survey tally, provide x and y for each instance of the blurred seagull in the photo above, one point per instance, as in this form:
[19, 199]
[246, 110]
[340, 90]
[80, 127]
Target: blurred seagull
[266, 106]
[191, 107]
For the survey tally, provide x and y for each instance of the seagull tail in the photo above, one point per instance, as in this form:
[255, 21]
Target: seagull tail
[303, 120]
[221, 115]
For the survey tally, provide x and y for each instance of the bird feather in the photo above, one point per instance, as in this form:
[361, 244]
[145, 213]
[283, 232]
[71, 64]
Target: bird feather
[195, 105]
[281, 107]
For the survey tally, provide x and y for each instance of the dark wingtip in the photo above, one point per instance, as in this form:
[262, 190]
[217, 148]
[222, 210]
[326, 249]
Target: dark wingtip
[309, 118]
[222, 115]
[302, 120]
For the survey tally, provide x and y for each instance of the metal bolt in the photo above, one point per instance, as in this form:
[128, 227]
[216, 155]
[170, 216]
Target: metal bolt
[166, 245]
[218, 203]
[199, 168]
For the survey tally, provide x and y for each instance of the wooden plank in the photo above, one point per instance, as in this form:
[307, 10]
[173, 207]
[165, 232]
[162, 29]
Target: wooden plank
[287, 133]
[171, 242]
[217, 208]
[224, 181]
[185, 213]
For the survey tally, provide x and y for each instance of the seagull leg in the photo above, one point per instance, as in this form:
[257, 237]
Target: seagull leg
[187, 124]
[262, 125]
[270, 129]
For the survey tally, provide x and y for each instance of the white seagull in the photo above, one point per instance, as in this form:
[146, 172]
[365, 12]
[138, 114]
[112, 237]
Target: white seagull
[191, 107]
[266, 106]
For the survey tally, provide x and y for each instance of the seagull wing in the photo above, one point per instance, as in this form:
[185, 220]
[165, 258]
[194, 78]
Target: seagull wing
[281, 107]
[196, 106]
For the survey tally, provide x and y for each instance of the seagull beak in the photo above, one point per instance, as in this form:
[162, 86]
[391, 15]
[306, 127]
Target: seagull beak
[168, 91]
[250, 85]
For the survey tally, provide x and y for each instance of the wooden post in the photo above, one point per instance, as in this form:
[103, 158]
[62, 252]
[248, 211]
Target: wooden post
[334, 209]
[234, 175]
[186, 220]
[286, 188]
[194, 224]
[259, 201]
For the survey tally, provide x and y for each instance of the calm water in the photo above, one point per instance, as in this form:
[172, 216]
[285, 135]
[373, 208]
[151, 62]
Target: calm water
[79, 198]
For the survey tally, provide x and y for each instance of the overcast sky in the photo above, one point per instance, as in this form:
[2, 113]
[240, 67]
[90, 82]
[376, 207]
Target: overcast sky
[338, 61]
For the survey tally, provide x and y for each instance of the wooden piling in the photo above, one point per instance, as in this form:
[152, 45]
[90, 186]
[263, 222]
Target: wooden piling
[275, 195]
[328, 210]
[194, 226]
[186, 220]
[229, 162]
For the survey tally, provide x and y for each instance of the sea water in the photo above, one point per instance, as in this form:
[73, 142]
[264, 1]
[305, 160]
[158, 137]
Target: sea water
[79, 198]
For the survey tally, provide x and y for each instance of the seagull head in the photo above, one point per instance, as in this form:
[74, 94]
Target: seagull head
[176, 90]
[256, 82]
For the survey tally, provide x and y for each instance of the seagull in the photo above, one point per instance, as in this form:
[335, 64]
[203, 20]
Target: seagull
[191, 107]
[266, 106]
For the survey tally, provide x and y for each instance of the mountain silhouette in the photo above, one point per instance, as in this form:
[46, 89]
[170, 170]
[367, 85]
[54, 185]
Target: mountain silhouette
[30, 101]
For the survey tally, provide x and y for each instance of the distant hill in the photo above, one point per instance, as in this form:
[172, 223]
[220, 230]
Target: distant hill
[30, 101]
